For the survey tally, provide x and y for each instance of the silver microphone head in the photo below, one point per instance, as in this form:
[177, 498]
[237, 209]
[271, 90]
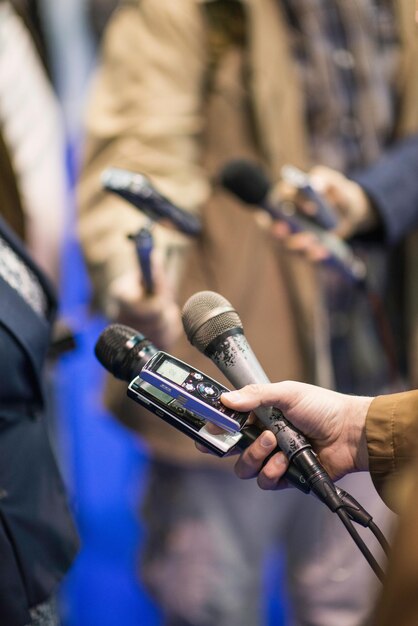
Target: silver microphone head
[207, 315]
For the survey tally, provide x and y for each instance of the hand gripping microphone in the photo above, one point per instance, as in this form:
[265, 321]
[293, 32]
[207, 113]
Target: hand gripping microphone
[213, 326]
[324, 214]
[136, 189]
[248, 182]
[126, 353]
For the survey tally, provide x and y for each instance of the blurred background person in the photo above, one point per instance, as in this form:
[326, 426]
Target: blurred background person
[68, 34]
[33, 135]
[39, 152]
[180, 90]
[378, 205]
[38, 537]
[39, 540]
[99, 13]
[33, 141]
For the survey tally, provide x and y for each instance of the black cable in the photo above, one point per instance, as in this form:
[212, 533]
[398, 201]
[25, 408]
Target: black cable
[344, 517]
[380, 537]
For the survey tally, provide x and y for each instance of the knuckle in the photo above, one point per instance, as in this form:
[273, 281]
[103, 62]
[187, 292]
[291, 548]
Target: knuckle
[255, 455]
[248, 465]
[254, 389]
[243, 471]
[270, 472]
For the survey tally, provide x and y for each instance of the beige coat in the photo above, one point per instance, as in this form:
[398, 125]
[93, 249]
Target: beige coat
[151, 111]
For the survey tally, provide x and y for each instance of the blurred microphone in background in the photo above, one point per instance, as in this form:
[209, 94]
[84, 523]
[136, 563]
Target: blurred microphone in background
[136, 189]
[250, 184]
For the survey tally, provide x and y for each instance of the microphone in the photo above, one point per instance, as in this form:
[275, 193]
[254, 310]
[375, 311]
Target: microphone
[213, 326]
[324, 214]
[248, 182]
[137, 189]
[144, 245]
[123, 351]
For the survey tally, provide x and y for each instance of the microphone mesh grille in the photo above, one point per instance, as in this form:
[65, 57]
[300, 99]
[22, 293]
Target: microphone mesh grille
[201, 329]
[123, 351]
[111, 340]
[246, 179]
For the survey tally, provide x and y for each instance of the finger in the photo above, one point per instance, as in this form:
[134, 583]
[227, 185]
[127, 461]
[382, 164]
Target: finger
[283, 395]
[302, 242]
[270, 476]
[213, 429]
[252, 459]
[323, 178]
[344, 229]
[285, 191]
[280, 230]
[318, 253]
[202, 448]
[306, 207]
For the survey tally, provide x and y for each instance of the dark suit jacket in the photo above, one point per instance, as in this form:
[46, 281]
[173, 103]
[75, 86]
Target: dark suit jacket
[37, 537]
[392, 185]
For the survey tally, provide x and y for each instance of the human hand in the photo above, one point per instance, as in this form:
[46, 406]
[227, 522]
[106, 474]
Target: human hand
[156, 315]
[333, 422]
[355, 212]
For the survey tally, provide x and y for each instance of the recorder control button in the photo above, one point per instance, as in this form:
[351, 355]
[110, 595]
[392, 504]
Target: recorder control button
[189, 387]
[208, 391]
[197, 376]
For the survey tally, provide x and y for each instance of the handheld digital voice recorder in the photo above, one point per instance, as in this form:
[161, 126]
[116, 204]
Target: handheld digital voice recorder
[178, 393]
[187, 398]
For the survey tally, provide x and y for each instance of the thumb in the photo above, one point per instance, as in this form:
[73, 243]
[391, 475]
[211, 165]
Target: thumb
[282, 395]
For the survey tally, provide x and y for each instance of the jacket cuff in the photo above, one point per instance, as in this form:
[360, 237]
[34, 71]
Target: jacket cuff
[391, 432]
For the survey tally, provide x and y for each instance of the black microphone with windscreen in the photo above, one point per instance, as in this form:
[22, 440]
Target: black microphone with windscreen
[249, 182]
[123, 351]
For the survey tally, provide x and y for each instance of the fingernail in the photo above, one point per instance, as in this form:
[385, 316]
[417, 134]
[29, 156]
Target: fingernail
[280, 459]
[266, 441]
[318, 182]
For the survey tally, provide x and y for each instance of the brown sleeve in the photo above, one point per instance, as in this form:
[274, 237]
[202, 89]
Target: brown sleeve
[391, 431]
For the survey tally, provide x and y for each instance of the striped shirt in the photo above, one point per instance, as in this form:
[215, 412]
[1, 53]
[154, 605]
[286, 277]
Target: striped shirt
[347, 54]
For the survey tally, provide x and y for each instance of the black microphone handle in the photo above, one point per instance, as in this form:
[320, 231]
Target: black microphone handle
[324, 214]
[293, 475]
[341, 254]
[144, 244]
[249, 182]
[138, 190]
